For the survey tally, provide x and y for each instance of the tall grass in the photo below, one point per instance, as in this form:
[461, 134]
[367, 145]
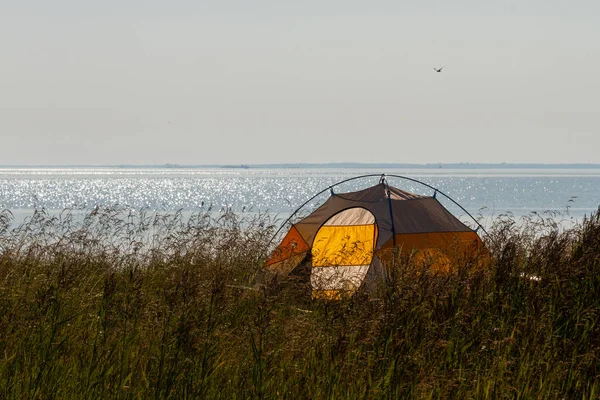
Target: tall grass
[132, 304]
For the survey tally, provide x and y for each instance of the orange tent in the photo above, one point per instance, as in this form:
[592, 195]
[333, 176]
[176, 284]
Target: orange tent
[346, 238]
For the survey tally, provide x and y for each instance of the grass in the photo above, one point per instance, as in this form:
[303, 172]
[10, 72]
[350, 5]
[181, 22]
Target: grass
[132, 304]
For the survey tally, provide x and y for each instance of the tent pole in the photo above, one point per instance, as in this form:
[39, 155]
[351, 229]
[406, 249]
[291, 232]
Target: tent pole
[382, 176]
[387, 192]
[330, 188]
[443, 194]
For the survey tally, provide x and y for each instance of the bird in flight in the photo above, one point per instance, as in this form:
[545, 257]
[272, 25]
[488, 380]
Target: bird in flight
[437, 69]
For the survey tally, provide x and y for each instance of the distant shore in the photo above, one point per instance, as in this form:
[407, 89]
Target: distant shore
[343, 165]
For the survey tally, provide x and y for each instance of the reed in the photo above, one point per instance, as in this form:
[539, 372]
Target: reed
[115, 303]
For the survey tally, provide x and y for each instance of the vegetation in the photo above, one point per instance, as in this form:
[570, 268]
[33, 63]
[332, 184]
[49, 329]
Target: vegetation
[122, 304]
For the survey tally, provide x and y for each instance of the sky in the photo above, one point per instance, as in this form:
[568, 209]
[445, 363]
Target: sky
[268, 81]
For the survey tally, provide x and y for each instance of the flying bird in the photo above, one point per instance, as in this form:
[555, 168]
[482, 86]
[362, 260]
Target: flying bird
[438, 70]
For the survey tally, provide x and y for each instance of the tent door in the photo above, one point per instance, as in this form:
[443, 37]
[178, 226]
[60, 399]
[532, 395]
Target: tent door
[342, 253]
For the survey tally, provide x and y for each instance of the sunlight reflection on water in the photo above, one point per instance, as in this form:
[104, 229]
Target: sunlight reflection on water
[280, 191]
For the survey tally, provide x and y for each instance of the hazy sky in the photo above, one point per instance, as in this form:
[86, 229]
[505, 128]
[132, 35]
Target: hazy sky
[265, 81]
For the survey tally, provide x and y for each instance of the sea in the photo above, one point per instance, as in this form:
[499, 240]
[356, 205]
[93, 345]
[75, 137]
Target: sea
[568, 194]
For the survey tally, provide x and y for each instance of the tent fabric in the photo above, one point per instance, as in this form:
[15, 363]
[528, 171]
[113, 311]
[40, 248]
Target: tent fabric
[351, 216]
[344, 245]
[436, 249]
[342, 251]
[423, 216]
[355, 229]
[347, 238]
[340, 277]
[459, 241]
[412, 214]
[293, 244]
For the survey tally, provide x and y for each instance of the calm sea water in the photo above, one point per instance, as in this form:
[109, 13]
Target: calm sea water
[489, 193]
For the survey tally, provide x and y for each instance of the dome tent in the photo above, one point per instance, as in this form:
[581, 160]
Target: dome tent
[348, 236]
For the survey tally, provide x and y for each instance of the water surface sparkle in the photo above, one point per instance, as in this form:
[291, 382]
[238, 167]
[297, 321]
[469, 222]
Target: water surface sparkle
[281, 191]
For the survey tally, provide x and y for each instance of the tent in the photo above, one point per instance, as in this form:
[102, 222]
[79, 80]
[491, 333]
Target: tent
[346, 239]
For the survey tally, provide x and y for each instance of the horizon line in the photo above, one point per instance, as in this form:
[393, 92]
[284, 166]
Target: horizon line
[318, 164]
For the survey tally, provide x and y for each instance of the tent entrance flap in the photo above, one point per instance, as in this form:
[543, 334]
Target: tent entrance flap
[343, 251]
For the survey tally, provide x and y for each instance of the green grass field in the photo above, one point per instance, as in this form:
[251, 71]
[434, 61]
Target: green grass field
[121, 304]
